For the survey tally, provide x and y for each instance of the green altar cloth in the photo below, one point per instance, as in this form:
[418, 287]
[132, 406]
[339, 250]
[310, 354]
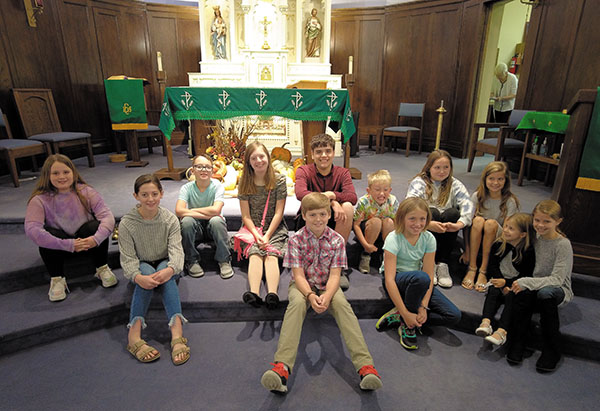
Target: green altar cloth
[204, 103]
[126, 105]
[550, 122]
[589, 168]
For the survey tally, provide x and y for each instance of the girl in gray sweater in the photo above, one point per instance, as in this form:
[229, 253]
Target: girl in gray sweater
[545, 291]
[152, 258]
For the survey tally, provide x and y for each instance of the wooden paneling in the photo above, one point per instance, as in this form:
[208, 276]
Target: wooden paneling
[78, 43]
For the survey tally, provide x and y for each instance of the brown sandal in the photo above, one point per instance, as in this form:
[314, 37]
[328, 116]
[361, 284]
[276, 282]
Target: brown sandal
[467, 282]
[141, 353]
[175, 353]
[480, 285]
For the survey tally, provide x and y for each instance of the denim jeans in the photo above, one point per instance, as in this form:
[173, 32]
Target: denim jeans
[195, 230]
[142, 297]
[413, 285]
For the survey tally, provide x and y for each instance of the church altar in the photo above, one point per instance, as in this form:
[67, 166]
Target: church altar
[267, 44]
[211, 103]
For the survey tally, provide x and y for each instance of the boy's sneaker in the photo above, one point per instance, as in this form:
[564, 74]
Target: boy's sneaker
[369, 379]
[194, 270]
[443, 275]
[365, 263]
[344, 282]
[389, 320]
[106, 275]
[225, 270]
[276, 378]
[58, 289]
[408, 337]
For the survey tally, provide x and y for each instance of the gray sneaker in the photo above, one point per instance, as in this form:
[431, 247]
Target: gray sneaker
[226, 271]
[443, 275]
[365, 263]
[194, 270]
[107, 277]
[344, 283]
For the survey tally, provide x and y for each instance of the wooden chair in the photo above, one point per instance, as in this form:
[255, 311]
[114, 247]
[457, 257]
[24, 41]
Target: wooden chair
[406, 110]
[501, 146]
[151, 134]
[40, 122]
[13, 149]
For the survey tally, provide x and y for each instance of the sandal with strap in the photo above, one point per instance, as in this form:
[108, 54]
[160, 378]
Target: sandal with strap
[175, 353]
[140, 353]
[480, 285]
[467, 282]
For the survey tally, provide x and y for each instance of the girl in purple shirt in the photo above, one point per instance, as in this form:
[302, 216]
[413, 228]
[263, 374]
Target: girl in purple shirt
[66, 216]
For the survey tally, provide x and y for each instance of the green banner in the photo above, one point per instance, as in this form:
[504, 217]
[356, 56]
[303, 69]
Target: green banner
[552, 122]
[589, 168]
[200, 103]
[126, 104]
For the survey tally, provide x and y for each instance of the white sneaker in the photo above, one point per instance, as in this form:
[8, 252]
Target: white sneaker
[443, 275]
[226, 271]
[58, 289]
[435, 275]
[107, 277]
[364, 266]
[195, 270]
[484, 330]
[498, 338]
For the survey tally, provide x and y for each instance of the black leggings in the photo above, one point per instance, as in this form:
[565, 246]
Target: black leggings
[493, 301]
[445, 241]
[55, 259]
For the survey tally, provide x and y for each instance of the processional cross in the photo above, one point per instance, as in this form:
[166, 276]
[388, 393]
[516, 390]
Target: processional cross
[265, 23]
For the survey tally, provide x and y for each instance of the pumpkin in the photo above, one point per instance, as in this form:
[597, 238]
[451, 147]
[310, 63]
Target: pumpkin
[281, 153]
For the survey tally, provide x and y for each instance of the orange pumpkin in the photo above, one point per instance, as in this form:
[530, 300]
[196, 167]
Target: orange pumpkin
[281, 153]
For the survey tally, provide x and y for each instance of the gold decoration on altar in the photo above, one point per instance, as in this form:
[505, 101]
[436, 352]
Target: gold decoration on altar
[265, 73]
[265, 23]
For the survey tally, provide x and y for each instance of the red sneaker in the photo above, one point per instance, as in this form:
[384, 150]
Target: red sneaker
[275, 379]
[369, 378]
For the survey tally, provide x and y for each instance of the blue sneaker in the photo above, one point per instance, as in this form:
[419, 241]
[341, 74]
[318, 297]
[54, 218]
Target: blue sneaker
[391, 319]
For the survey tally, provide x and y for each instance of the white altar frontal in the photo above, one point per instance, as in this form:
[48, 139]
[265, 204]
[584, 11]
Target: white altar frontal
[266, 43]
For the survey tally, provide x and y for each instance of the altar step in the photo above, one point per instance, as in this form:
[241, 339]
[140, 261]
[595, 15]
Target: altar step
[30, 319]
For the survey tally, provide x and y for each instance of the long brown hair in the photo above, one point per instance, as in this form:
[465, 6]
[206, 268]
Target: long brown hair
[483, 193]
[446, 185]
[524, 223]
[247, 185]
[44, 185]
[550, 208]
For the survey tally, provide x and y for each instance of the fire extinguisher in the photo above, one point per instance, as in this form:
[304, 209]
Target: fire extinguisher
[512, 67]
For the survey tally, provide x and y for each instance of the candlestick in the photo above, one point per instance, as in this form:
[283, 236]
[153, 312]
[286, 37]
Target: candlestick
[159, 60]
[350, 64]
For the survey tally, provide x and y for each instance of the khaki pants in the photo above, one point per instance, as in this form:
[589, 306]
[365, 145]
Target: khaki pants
[340, 308]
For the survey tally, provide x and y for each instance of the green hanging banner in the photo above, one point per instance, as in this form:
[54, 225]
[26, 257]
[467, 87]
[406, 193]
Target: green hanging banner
[589, 168]
[126, 104]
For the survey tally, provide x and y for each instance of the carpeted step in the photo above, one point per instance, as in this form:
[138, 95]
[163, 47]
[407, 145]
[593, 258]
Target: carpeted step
[30, 319]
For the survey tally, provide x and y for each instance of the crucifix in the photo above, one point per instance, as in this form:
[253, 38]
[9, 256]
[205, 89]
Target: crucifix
[265, 23]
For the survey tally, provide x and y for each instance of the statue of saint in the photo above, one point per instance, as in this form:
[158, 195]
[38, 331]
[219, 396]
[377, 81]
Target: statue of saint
[312, 33]
[218, 34]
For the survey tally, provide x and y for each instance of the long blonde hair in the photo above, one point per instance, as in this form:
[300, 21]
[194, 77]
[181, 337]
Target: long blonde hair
[44, 185]
[405, 207]
[550, 208]
[483, 193]
[247, 185]
[524, 223]
[446, 185]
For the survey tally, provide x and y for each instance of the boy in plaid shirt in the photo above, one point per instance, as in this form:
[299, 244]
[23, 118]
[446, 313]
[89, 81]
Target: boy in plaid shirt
[316, 254]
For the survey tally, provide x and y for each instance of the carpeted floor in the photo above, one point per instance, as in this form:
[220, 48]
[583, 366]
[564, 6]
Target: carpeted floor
[450, 371]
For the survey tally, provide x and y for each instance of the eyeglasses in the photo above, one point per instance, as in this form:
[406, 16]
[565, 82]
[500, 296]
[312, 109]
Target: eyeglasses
[200, 167]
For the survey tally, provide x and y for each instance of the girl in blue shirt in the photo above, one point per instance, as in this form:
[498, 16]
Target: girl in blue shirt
[408, 267]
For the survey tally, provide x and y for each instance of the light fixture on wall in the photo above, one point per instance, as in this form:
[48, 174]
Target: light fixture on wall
[33, 7]
[533, 3]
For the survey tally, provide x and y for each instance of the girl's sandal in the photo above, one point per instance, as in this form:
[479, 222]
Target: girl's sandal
[141, 353]
[175, 353]
[481, 282]
[467, 282]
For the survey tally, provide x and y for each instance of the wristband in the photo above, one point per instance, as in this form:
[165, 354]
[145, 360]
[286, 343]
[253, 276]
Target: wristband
[422, 306]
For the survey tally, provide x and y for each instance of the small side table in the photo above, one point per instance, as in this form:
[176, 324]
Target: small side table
[372, 130]
[548, 125]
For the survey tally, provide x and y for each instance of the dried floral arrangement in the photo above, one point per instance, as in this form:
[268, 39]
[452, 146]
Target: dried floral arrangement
[228, 139]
